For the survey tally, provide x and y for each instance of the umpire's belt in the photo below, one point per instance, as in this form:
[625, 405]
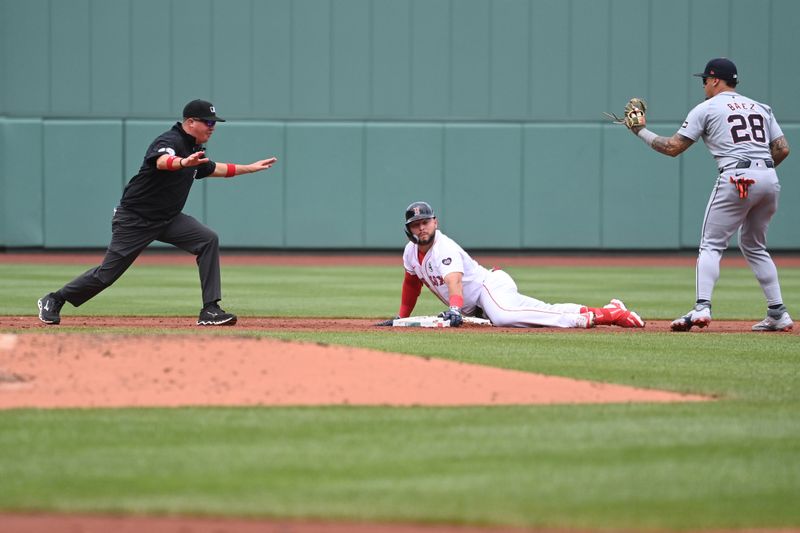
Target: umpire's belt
[747, 163]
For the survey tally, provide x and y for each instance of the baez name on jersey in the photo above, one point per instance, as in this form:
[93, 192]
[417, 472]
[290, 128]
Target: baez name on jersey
[736, 105]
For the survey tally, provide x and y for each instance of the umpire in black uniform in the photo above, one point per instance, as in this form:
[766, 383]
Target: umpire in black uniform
[150, 210]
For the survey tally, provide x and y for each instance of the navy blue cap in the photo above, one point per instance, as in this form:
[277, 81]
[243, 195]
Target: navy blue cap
[721, 68]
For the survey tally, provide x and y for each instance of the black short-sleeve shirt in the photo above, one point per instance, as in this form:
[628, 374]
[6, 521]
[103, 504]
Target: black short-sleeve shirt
[161, 194]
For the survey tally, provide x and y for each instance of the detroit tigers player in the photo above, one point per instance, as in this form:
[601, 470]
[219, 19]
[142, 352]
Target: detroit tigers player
[747, 143]
[433, 259]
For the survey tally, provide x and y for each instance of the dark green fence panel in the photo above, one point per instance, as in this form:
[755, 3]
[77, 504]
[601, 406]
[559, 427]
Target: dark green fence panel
[669, 85]
[371, 104]
[391, 58]
[324, 185]
[430, 65]
[404, 164]
[352, 56]
[510, 59]
[110, 73]
[784, 45]
[640, 196]
[311, 58]
[21, 187]
[481, 201]
[272, 58]
[588, 57]
[783, 230]
[26, 51]
[562, 180]
[77, 211]
[550, 70]
[469, 59]
[4, 45]
[70, 65]
[232, 59]
[248, 210]
[190, 47]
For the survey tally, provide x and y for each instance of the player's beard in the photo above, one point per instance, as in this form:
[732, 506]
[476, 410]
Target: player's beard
[427, 241]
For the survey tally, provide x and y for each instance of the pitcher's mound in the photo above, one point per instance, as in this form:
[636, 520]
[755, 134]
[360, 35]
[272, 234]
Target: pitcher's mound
[81, 370]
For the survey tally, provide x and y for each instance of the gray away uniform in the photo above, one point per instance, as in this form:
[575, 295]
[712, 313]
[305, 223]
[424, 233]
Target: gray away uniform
[737, 132]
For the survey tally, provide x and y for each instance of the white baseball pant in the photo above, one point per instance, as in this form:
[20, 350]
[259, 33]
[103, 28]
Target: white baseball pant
[506, 307]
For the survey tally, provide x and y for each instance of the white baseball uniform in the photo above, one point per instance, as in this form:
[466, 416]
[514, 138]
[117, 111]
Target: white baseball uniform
[493, 291]
[737, 131]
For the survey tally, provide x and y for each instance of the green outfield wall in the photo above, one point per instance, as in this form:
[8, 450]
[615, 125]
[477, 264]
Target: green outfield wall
[489, 109]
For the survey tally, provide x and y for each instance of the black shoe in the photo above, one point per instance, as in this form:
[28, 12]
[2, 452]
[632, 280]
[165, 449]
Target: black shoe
[50, 309]
[212, 315]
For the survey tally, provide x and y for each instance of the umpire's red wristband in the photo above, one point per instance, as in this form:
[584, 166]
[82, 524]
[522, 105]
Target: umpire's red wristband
[231, 170]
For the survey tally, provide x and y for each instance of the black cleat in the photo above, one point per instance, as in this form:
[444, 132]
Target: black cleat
[213, 315]
[50, 309]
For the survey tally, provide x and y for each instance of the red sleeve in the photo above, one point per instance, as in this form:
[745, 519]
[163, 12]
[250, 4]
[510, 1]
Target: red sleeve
[412, 286]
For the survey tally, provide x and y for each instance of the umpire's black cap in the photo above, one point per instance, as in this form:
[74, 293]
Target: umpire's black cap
[721, 68]
[202, 110]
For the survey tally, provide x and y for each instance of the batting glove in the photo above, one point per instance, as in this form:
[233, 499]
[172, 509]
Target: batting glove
[454, 316]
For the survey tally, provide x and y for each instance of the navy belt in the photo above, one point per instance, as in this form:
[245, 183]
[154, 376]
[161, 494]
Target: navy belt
[747, 163]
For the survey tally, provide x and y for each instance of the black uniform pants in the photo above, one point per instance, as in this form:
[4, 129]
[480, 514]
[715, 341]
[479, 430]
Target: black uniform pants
[130, 235]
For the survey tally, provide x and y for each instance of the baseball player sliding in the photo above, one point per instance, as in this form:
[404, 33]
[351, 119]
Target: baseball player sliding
[466, 288]
[747, 144]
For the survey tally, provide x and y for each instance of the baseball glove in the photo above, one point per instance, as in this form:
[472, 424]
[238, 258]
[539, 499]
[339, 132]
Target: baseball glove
[634, 114]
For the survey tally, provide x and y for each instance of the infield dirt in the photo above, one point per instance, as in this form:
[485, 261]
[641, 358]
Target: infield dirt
[65, 367]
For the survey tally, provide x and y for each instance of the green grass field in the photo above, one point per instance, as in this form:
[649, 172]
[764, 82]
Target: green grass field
[732, 463]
